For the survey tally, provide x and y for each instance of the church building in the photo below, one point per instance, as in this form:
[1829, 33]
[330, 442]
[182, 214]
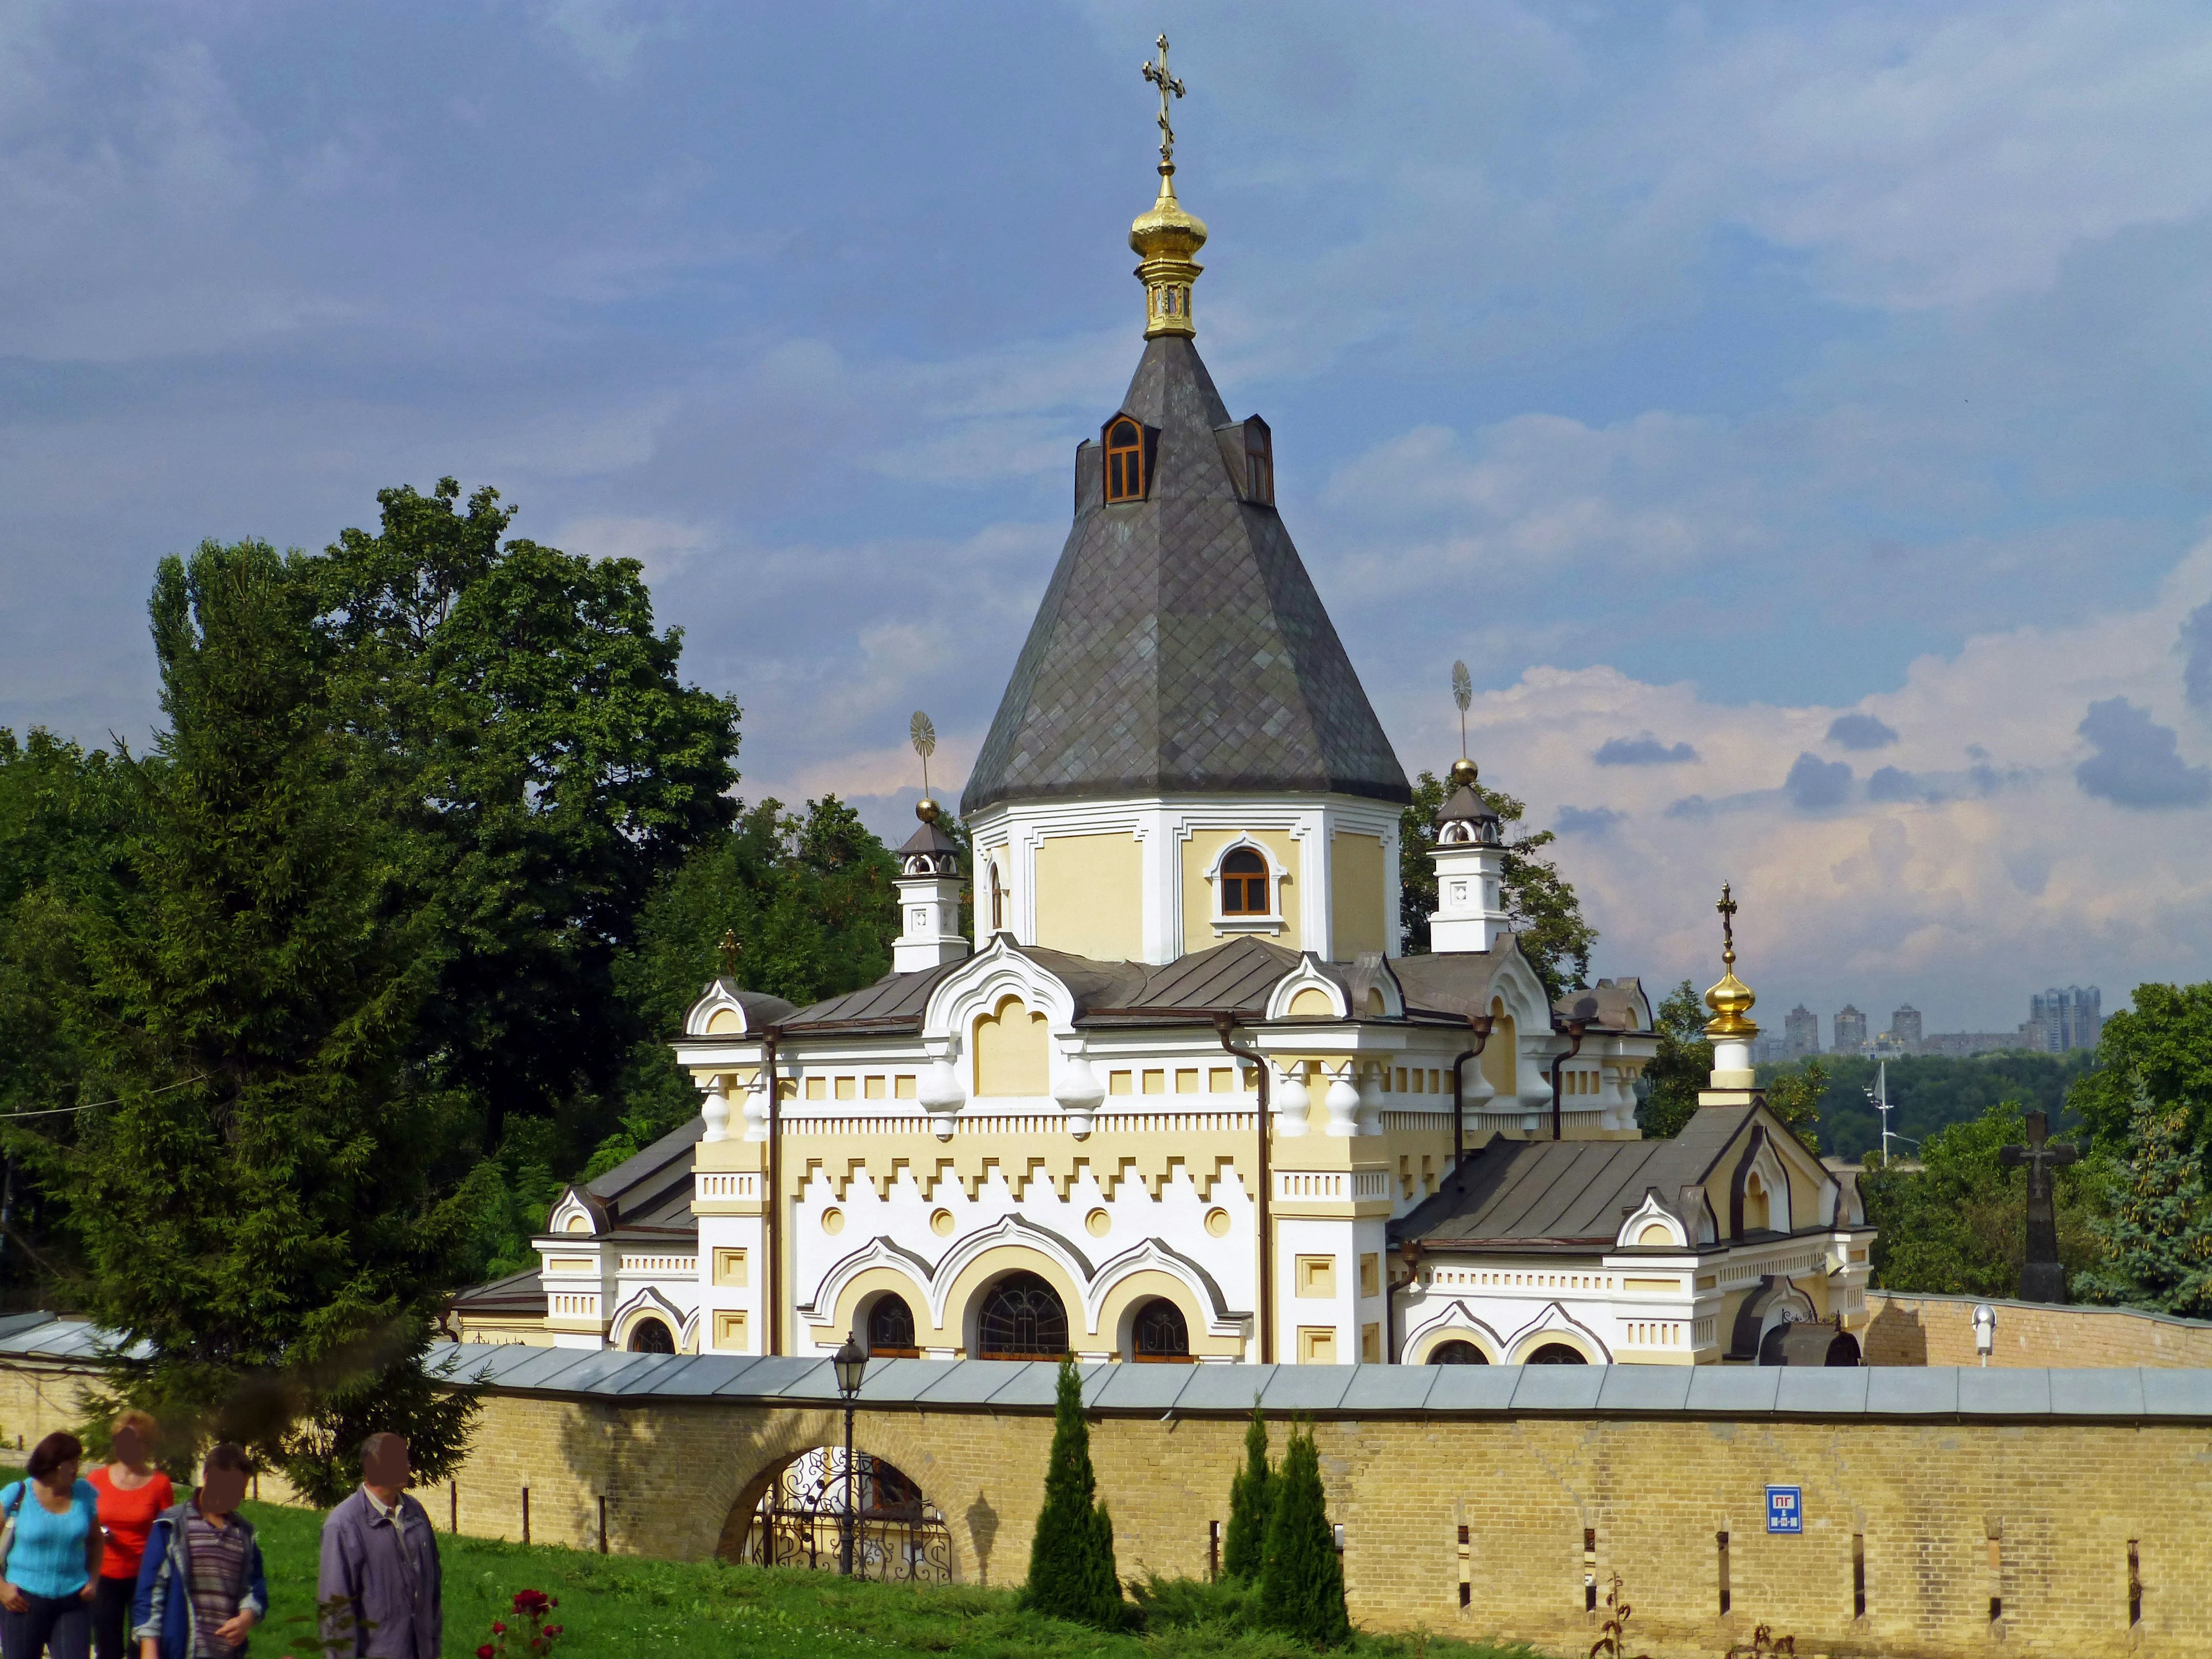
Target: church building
[1183, 1099]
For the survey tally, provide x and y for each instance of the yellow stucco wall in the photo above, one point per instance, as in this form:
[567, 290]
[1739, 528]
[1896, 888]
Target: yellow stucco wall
[1358, 915]
[1012, 1053]
[1198, 856]
[1090, 897]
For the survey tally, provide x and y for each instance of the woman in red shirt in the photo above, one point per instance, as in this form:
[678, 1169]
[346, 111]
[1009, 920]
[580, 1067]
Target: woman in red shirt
[132, 1492]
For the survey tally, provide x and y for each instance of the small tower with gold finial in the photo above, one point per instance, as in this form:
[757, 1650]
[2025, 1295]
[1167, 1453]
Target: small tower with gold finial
[928, 878]
[1731, 1028]
[1167, 237]
[1469, 853]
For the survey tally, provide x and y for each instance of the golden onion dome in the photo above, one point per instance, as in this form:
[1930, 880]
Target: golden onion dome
[1731, 999]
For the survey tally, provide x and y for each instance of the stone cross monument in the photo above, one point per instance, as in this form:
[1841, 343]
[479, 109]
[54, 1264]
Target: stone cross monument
[2041, 1278]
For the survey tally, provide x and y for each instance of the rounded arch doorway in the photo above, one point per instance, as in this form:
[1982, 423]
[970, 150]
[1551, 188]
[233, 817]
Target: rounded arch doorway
[1021, 1317]
[796, 1516]
[1457, 1352]
[1557, 1353]
[651, 1335]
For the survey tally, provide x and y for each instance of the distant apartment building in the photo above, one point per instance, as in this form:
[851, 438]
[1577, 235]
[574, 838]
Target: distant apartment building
[1964, 1045]
[1800, 1033]
[2058, 1021]
[1904, 1029]
[1850, 1030]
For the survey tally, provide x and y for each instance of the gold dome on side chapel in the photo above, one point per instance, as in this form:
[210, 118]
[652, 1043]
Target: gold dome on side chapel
[1731, 999]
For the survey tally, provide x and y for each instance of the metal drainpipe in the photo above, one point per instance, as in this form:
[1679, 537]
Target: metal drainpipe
[772, 1274]
[1223, 1025]
[1481, 1026]
[1574, 1029]
[1411, 1250]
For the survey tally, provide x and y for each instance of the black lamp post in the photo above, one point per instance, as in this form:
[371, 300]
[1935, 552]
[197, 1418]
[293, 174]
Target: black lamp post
[849, 1363]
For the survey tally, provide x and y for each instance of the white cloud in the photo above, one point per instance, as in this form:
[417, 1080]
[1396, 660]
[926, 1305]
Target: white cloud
[2002, 871]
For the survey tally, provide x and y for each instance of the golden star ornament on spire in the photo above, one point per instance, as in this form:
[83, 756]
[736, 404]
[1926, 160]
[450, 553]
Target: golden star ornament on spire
[1167, 236]
[1731, 999]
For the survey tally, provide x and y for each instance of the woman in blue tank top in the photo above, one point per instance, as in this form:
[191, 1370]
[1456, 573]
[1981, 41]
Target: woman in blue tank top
[53, 1556]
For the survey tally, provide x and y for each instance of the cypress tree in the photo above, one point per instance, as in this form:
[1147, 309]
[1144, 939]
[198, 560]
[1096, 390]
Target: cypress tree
[1251, 1503]
[1072, 1555]
[1302, 1585]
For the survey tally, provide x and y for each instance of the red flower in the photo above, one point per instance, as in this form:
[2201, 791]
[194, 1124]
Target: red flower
[552, 1600]
[552, 1630]
[485, 1651]
[498, 1629]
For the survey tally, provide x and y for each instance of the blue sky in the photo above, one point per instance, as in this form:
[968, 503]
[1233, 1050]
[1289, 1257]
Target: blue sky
[1712, 374]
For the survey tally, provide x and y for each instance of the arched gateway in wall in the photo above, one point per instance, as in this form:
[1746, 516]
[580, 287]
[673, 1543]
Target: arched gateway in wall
[799, 1520]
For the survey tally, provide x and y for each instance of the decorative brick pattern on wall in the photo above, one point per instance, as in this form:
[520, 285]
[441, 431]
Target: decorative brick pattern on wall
[1939, 1330]
[1930, 1523]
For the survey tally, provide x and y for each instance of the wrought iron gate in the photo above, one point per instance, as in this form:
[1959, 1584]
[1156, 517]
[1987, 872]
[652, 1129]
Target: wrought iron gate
[896, 1535]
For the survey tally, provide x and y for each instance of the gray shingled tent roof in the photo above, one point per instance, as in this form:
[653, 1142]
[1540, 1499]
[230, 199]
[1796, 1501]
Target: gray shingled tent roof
[1180, 646]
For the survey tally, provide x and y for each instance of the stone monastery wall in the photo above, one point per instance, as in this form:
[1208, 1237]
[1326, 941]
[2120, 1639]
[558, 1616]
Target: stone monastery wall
[2061, 1513]
[1939, 1330]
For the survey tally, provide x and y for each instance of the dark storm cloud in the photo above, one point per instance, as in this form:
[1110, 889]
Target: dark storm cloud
[1888, 783]
[1814, 785]
[2138, 762]
[1586, 820]
[1643, 750]
[1860, 731]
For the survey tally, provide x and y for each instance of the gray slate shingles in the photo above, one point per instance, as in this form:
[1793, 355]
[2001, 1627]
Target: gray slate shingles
[1180, 646]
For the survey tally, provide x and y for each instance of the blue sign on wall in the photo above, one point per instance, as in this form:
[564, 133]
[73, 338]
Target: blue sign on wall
[1785, 1509]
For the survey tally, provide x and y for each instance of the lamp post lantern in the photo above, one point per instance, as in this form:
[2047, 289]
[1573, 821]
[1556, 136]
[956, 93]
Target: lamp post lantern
[850, 1363]
[1985, 1330]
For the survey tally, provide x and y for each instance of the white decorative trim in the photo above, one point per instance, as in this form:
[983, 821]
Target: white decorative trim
[1154, 1256]
[1556, 1320]
[647, 1299]
[571, 1205]
[877, 1252]
[1454, 1319]
[979, 984]
[1010, 1230]
[716, 999]
[1305, 975]
[1648, 1212]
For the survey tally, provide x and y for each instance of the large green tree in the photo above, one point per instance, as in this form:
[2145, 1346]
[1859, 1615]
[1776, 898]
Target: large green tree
[1540, 904]
[528, 733]
[1955, 1222]
[2158, 1238]
[2158, 1050]
[251, 1185]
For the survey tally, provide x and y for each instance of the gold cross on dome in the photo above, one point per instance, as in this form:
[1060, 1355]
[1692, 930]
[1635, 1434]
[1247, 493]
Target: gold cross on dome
[1158, 76]
[1727, 907]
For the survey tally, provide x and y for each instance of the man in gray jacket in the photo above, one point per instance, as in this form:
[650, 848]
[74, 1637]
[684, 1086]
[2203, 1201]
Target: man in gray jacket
[380, 1581]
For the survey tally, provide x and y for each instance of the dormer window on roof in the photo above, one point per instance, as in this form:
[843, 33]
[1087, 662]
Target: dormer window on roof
[1125, 460]
[1259, 462]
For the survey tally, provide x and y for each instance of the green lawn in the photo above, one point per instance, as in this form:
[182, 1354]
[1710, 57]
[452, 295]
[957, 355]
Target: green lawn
[616, 1606]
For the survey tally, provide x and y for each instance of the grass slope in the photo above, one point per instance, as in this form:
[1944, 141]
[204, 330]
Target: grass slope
[619, 1606]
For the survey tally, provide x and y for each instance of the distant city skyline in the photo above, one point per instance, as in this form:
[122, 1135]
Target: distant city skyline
[2058, 1020]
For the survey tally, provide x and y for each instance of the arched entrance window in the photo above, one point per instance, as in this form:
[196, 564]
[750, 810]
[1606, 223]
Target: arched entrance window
[890, 1329]
[650, 1336]
[1021, 1319]
[1456, 1353]
[1556, 1354]
[1159, 1332]
[1244, 884]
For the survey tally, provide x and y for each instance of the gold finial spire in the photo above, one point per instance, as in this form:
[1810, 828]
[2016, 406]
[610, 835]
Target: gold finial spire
[729, 953]
[1731, 999]
[1167, 236]
[923, 733]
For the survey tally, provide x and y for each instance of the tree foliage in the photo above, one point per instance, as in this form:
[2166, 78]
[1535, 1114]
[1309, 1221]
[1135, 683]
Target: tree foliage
[255, 1206]
[2158, 1050]
[1071, 1574]
[1683, 1065]
[1795, 1097]
[1301, 1582]
[2158, 1238]
[1928, 1092]
[1251, 1505]
[1540, 904]
[545, 767]
[1955, 1223]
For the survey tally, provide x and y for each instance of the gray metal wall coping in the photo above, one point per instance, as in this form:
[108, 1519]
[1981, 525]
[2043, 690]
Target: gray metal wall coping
[2117, 1395]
